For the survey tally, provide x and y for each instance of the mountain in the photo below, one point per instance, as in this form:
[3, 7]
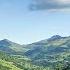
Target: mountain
[49, 45]
[55, 37]
[49, 51]
[11, 47]
[48, 54]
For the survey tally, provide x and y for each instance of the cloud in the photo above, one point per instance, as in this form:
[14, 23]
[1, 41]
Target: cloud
[50, 5]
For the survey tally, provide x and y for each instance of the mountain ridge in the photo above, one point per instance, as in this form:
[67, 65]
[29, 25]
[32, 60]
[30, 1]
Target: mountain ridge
[52, 37]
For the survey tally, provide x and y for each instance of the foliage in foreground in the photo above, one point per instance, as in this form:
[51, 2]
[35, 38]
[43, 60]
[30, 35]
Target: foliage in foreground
[18, 62]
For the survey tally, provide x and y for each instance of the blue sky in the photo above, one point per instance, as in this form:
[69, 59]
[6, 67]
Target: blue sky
[21, 25]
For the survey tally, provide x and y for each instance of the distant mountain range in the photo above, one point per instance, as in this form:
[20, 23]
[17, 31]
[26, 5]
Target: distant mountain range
[42, 52]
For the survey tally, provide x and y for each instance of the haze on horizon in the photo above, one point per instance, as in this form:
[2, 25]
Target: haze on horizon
[20, 24]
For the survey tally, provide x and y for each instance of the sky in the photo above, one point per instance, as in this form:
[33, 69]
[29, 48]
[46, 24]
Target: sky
[22, 23]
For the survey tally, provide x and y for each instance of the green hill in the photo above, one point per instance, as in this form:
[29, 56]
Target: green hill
[4, 65]
[48, 54]
[11, 47]
[50, 51]
[17, 62]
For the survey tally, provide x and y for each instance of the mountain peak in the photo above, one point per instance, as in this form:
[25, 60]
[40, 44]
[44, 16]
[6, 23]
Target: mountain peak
[6, 40]
[55, 37]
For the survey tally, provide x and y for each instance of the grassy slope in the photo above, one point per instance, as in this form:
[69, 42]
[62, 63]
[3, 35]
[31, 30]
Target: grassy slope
[8, 65]
[17, 62]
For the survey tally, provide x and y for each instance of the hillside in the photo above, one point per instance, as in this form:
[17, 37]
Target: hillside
[49, 54]
[11, 47]
[49, 51]
[17, 62]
